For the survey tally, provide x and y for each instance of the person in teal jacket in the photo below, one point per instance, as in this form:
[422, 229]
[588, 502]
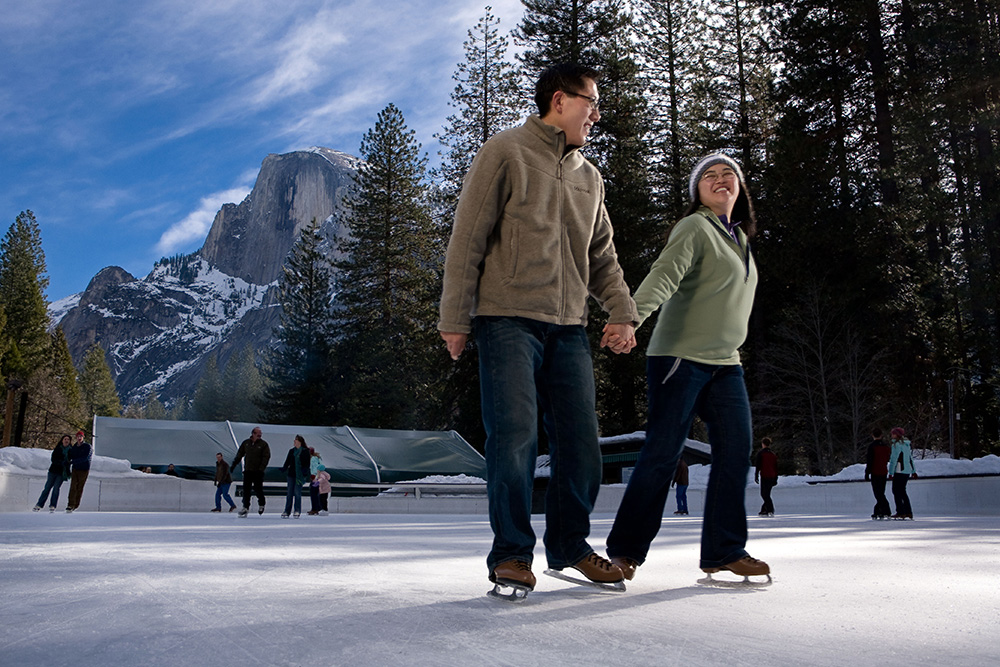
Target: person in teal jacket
[900, 468]
[703, 285]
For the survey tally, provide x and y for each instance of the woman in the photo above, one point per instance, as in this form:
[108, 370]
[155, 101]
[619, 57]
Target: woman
[58, 473]
[703, 284]
[296, 469]
[901, 456]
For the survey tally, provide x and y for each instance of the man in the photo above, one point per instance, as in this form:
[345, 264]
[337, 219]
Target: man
[766, 474]
[171, 471]
[255, 453]
[876, 470]
[223, 480]
[531, 240]
[80, 455]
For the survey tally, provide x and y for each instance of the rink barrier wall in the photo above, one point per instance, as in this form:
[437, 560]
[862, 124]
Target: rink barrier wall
[941, 495]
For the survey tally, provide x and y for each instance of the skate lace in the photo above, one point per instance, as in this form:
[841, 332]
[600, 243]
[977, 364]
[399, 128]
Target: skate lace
[601, 563]
[522, 565]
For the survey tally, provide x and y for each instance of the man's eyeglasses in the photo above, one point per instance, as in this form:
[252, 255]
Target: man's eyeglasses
[594, 102]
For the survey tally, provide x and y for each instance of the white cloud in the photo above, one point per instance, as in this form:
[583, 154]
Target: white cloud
[303, 56]
[196, 224]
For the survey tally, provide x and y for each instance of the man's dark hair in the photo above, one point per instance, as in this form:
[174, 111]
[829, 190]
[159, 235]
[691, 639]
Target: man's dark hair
[567, 77]
[876, 432]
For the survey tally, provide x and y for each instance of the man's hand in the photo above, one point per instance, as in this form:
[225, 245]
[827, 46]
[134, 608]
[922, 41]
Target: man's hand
[455, 342]
[619, 338]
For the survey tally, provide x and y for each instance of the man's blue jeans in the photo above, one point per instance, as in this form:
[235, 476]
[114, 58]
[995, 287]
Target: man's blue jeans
[682, 498]
[678, 390]
[222, 491]
[525, 365]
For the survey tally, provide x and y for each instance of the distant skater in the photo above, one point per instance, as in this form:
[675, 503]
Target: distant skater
[681, 482]
[315, 464]
[255, 454]
[80, 456]
[296, 469]
[223, 480]
[323, 484]
[876, 470]
[766, 474]
[900, 468]
[58, 473]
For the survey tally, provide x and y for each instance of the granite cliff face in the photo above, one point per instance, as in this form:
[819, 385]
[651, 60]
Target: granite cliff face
[159, 330]
[250, 241]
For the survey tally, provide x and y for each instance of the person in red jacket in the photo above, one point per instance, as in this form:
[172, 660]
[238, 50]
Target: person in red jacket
[766, 474]
[876, 470]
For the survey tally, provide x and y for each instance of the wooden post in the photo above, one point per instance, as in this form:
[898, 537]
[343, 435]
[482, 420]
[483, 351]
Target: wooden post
[8, 416]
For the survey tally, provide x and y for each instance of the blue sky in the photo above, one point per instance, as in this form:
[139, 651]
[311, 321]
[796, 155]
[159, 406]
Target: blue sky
[125, 124]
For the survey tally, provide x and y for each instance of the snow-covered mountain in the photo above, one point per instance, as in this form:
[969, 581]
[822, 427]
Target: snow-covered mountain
[159, 330]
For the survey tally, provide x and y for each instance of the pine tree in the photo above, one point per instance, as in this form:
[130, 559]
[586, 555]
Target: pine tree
[486, 101]
[387, 285]
[298, 373]
[668, 38]
[97, 386]
[23, 282]
[65, 375]
[208, 395]
[566, 31]
[243, 387]
[153, 408]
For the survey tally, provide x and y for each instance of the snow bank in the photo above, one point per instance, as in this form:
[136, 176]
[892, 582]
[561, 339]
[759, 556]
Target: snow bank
[37, 461]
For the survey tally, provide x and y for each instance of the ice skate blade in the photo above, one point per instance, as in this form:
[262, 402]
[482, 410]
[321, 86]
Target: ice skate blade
[747, 582]
[517, 593]
[612, 587]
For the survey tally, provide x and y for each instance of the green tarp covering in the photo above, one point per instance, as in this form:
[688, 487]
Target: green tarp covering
[351, 455]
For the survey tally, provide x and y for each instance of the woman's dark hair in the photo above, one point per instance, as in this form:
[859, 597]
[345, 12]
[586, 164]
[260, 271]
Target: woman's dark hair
[567, 77]
[301, 439]
[62, 437]
[742, 211]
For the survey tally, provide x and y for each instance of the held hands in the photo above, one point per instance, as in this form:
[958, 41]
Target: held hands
[619, 338]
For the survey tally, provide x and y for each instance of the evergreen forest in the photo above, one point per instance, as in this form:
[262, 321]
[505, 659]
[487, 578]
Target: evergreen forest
[868, 131]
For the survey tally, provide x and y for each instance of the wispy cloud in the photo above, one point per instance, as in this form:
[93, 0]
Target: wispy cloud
[196, 224]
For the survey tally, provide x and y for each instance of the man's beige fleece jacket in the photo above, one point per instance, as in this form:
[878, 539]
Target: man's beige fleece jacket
[531, 237]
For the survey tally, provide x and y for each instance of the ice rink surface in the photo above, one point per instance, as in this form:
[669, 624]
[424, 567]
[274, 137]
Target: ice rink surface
[95, 589]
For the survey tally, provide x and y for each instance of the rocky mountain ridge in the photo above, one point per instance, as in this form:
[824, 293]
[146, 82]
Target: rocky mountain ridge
[158, 331]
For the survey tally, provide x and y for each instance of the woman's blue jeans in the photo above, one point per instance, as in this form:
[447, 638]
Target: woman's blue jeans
[294, 493]
[678, 390]
[52, 482]
[525, 365]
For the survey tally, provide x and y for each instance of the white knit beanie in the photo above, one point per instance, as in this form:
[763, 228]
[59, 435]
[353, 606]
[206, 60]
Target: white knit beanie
[710, 161]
